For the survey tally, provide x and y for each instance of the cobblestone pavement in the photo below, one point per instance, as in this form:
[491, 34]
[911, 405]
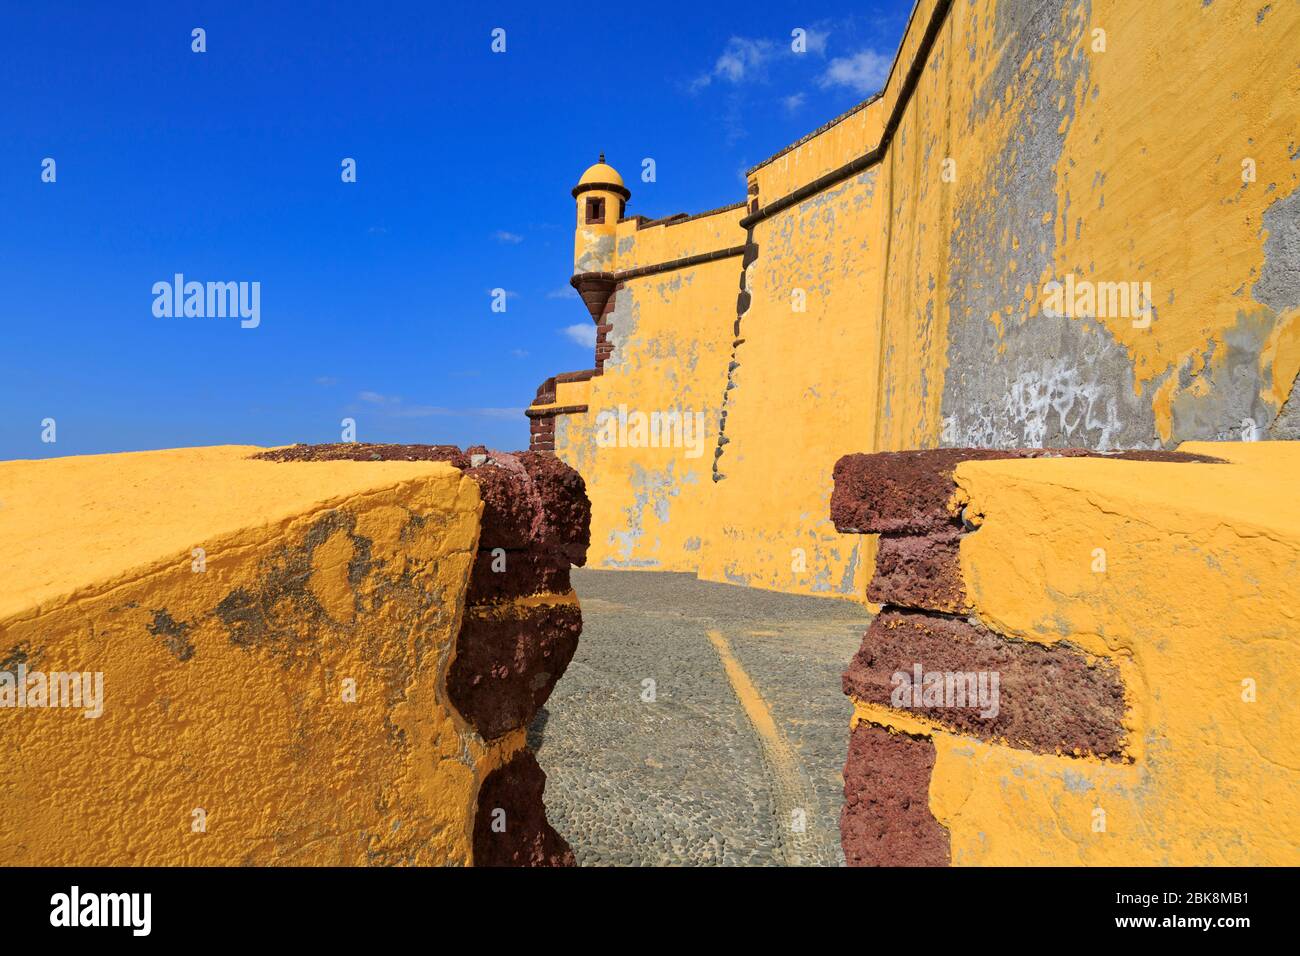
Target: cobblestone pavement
[657, 744]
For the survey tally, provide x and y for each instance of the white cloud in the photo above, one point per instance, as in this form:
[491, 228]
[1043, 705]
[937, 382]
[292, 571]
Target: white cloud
[864, 72]
[816, 41]
[509, 238]
[793, 102]
[742, 59]
[564, 292]
[584, 333]
[519, 353]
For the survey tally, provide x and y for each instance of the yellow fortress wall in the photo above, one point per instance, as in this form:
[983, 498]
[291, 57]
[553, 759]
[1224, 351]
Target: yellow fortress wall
[269, 643]
[670, 351]
[665, 340]
[1059, 224]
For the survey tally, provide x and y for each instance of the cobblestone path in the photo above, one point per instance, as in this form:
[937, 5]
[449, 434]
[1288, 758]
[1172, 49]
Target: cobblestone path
[700, 724]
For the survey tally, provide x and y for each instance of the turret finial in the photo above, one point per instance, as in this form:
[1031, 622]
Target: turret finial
[602, 157]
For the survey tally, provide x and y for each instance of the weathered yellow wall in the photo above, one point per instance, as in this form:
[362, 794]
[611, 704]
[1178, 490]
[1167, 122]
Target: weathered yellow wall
[1197, 606]
[1103, 141]
[223, 689]
[672, 336]
[640, 245]
[804, 394]
[593, 243]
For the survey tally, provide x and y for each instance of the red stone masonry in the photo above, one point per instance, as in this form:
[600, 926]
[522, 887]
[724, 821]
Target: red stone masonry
[1051, 699]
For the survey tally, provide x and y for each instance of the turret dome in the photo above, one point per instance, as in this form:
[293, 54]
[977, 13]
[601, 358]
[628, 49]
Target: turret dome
[601, 175]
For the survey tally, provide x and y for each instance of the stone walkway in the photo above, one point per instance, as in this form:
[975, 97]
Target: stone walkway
[699, 724]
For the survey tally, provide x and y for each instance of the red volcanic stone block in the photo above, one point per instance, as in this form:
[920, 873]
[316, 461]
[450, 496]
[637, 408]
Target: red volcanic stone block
[886, 820]
[907, 492]
[516, 574]
[922, 571]
[507, 664]
[533, 500]
[367, 451]
[566, 510]
[1047, 699]
[511, 512]
[510, 827]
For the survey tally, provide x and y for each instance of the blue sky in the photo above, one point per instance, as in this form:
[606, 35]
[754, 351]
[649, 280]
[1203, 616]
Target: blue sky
[375, 295]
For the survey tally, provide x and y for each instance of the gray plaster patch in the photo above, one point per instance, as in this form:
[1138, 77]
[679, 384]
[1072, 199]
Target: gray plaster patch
[653, 490]
[1286, 427]
[1230, 408]
[1057, 381]
[623, 321]
[1278, 285]
[597, 255]
[850, 569]
[1060, 382]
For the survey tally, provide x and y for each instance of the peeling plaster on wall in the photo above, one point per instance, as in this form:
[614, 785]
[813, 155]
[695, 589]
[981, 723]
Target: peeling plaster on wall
[1228, 400]
[675, 359]
[735, 577]
[1278, 285]
[1060, 382]
[850, 569]
[822, 579]
[1286, 427]
[654, 491]
[600, 252]
[625, 318]
[671, 359]
[1225, 403]
[812, 227]
[813, 361]
[1006, 378]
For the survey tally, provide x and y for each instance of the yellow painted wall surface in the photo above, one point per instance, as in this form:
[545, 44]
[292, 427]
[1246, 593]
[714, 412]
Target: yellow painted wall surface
[593, 242]
[223, 689]
[1198, 607]
[672, 335]
[804, 394]
[652, 245]
[1095, 145]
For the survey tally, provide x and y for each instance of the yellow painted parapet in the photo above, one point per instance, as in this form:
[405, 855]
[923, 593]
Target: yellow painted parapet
[1130, 629]
[1187, 577]
[209, 659]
